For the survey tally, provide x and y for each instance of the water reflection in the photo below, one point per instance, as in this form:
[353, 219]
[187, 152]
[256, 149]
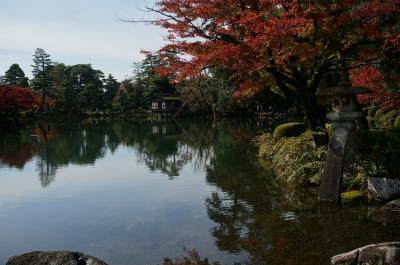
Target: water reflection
[246, 213]
[162, 147]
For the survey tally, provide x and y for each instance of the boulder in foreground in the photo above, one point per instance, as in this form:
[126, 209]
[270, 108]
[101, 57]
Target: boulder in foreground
[375, 254]
[54, 258]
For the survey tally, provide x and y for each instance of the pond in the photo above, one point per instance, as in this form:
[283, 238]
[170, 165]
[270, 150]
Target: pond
[134, 193]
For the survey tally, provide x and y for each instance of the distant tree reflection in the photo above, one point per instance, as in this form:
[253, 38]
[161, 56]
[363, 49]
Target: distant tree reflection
[164, 147]
[17, 147]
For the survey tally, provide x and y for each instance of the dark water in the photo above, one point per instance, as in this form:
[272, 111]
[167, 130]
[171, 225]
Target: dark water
[132, 193]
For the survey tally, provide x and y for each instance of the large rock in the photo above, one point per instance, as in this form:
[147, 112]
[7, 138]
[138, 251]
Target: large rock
[376, 254]
[384, 188]
[54, 258]
[389, 213]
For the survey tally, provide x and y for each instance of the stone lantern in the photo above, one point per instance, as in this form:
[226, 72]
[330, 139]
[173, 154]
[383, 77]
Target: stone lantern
[344, 102]
[343, 144]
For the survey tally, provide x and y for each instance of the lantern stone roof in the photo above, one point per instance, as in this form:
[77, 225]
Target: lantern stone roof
[335, 91]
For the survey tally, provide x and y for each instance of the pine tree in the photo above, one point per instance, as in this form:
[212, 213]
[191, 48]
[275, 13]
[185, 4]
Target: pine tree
[111, 86]
[41, 75]
[15, 76]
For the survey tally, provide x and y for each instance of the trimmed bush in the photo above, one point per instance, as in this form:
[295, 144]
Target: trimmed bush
[389, 118]
[372, 110]
[397, 122]
[292, 129]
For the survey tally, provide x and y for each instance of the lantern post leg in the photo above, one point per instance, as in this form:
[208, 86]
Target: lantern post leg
[336, 162]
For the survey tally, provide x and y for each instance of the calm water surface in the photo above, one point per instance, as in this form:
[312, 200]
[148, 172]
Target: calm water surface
[133, 193]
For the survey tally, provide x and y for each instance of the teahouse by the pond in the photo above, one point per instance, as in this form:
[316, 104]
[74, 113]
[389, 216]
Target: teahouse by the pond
[166, 105]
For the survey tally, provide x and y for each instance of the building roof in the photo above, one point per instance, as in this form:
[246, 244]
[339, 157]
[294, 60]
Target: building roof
[165, 98]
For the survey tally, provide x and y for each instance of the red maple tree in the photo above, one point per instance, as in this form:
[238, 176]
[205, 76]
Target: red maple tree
[14, 99]
[374, 79]
[293, 43]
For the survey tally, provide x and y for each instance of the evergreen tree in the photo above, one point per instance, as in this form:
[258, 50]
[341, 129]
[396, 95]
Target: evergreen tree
[87, 83]
[15, 76]
[145, 74]
[111, 86]
[61, 87]
[129, 95]
[41, 77]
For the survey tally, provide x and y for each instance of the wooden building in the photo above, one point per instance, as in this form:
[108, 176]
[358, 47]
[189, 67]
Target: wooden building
[167, 105]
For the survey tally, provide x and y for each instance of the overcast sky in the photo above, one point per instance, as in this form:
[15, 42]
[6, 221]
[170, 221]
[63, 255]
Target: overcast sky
[76, 32]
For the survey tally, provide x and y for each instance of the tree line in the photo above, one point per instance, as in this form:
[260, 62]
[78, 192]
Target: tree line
[60, 88]
[80, 87]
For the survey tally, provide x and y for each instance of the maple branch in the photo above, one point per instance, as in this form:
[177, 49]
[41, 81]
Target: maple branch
[186, 21]
[281, 81]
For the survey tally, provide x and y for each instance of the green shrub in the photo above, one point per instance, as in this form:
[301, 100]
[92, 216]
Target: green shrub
[372, 110]
[379, 116]
[294, 160]
[397, 122]
[292, 129]
[371, 122]
[389, 118]
[379, 154]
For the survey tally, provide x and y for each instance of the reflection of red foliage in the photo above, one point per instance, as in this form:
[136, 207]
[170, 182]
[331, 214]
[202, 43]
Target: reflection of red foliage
[16, 155]
[373, 79]
[14, 99]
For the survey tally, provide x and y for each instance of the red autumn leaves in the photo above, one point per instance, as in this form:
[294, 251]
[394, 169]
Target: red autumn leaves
[14, 99]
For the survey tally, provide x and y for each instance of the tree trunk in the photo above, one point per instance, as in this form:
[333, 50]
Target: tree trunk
[315, 119]
[43, 107]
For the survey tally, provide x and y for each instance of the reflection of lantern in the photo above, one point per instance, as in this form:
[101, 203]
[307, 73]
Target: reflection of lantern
[344, 102]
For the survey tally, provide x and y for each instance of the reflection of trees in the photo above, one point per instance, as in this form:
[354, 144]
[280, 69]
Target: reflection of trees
[252, 216]
[67, 143]
[16, 147]
[242, 191]
[162, 147]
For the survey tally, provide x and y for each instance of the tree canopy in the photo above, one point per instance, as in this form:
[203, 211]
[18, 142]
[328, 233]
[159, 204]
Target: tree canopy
[290, 45]
[15, 99]
[15, 76]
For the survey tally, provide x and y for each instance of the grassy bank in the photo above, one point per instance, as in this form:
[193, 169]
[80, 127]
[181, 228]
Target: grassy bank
[297, 162]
